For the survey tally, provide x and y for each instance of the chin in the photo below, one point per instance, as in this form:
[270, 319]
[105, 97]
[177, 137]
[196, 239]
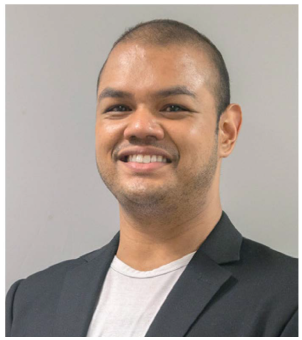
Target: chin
[141, 196]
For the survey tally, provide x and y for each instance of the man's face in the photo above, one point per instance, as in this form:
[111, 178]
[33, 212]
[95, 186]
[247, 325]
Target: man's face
[156, 101]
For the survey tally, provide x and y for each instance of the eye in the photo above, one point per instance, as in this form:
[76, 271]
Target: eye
[175, 108]
[118, 108]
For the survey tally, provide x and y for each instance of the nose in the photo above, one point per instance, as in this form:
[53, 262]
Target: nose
[143, 124]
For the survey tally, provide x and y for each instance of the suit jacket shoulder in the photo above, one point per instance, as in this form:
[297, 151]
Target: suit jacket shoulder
[232, 287]
[48, 279]
[38, 295]
[269, 275]
[264, 258]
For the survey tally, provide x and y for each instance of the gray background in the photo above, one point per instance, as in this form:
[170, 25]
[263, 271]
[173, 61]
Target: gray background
[57, 207]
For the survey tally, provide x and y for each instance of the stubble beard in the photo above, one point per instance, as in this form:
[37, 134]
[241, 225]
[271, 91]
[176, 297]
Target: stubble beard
[167, 199]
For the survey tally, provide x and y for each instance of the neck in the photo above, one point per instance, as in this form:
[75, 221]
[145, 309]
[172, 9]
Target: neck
[149, 240]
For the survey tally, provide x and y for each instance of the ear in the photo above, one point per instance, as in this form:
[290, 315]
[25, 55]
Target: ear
[229, 127]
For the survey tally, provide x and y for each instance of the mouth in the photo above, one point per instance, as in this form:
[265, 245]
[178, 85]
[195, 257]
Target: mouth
[144, 159]
[144, 163]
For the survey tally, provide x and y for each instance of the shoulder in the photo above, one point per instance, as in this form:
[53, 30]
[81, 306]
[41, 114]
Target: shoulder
[36, 297]
[263, 257]
[268, 271]
[50, 278]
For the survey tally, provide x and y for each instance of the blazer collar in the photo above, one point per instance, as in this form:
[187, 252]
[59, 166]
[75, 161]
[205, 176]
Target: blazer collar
[200, 282]
[224, 242]
[222, 245]
[195, 288]
[81, 290]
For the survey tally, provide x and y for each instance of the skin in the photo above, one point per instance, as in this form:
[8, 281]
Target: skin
[167, 213]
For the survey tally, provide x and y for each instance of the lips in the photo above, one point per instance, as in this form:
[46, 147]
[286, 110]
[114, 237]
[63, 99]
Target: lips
[142, 168]
[142, 154]
[144, 160]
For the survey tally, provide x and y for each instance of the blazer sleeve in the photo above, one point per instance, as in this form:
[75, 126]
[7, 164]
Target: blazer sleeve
[291, 328]
[9, 307]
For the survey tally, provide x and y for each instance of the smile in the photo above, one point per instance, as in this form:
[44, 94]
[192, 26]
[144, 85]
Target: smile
[145, 159]
[144, 163]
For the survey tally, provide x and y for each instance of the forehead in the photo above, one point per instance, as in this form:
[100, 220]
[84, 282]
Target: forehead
[141, 67]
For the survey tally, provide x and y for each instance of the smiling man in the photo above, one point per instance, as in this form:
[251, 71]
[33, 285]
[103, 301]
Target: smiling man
[178, 267]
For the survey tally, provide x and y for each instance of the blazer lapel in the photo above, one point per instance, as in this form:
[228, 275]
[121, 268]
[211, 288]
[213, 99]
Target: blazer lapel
[81, 290]
[199, 283]
[188, 298]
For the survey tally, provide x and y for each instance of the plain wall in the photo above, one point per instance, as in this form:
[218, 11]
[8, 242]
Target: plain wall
[57, 207]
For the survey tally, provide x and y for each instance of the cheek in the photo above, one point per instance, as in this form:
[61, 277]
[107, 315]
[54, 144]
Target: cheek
[194, 142]
[189, 136]
[107, 135]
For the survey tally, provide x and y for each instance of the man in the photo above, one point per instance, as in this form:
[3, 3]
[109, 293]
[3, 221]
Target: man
[178, 267]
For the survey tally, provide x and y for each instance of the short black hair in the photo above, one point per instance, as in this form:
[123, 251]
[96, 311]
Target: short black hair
[165, 31]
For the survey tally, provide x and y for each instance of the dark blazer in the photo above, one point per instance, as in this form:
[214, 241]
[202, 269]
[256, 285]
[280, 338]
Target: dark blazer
[231, 287]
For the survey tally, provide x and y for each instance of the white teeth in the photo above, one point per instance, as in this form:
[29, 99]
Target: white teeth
[146, 159]
[139, 158]
[153, 158]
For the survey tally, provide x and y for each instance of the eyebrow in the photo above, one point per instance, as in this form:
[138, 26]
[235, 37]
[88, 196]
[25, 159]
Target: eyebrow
[110, 92]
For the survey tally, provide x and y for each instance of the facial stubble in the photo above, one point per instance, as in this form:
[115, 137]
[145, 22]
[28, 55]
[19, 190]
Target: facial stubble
[169, 197]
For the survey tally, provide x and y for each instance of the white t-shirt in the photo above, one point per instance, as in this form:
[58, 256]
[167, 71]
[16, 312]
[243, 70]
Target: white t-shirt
[130, 299]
